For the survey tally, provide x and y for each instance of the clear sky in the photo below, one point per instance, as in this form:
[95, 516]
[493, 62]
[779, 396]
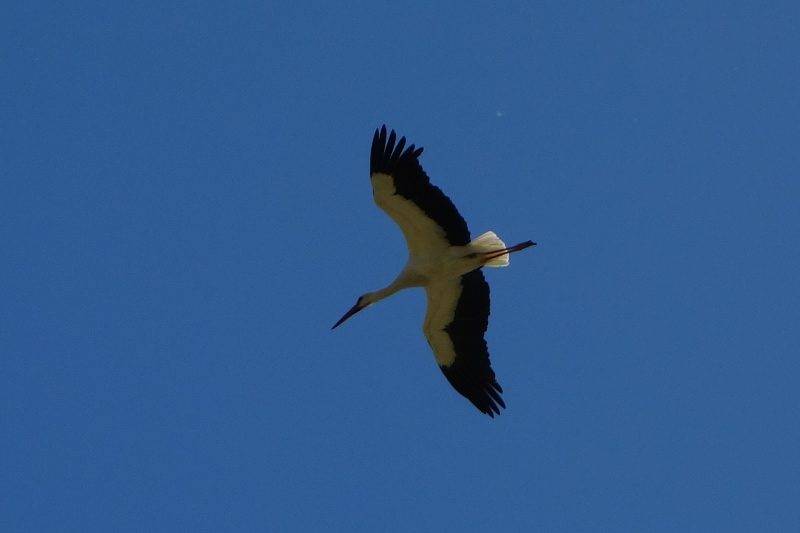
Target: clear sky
[185, 211]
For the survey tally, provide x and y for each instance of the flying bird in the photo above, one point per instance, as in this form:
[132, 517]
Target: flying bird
[444, 260]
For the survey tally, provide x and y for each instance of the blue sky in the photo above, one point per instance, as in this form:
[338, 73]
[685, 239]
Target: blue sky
[186, 211]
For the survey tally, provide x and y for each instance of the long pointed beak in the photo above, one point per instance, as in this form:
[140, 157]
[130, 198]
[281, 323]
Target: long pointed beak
[347, 315]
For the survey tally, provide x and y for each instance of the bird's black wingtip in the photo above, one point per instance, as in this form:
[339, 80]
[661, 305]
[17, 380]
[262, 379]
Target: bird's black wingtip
[484, 392]
[390, 154]
[491, 409]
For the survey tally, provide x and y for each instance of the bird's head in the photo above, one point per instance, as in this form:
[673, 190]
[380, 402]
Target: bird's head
[363, 301]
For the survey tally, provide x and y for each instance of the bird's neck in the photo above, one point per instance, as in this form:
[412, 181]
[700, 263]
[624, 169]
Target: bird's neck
[385, 292]
[406, 279]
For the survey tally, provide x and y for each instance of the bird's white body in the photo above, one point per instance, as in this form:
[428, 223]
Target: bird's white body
[439, 272]
[443, 260]
[448, 262]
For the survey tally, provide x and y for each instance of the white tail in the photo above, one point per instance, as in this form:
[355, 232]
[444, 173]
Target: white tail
[489, 242]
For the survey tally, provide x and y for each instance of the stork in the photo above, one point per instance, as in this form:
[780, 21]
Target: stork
[443, 260]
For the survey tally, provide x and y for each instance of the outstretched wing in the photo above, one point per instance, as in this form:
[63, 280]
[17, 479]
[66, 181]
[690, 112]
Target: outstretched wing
[428, 219]
[456, 319]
